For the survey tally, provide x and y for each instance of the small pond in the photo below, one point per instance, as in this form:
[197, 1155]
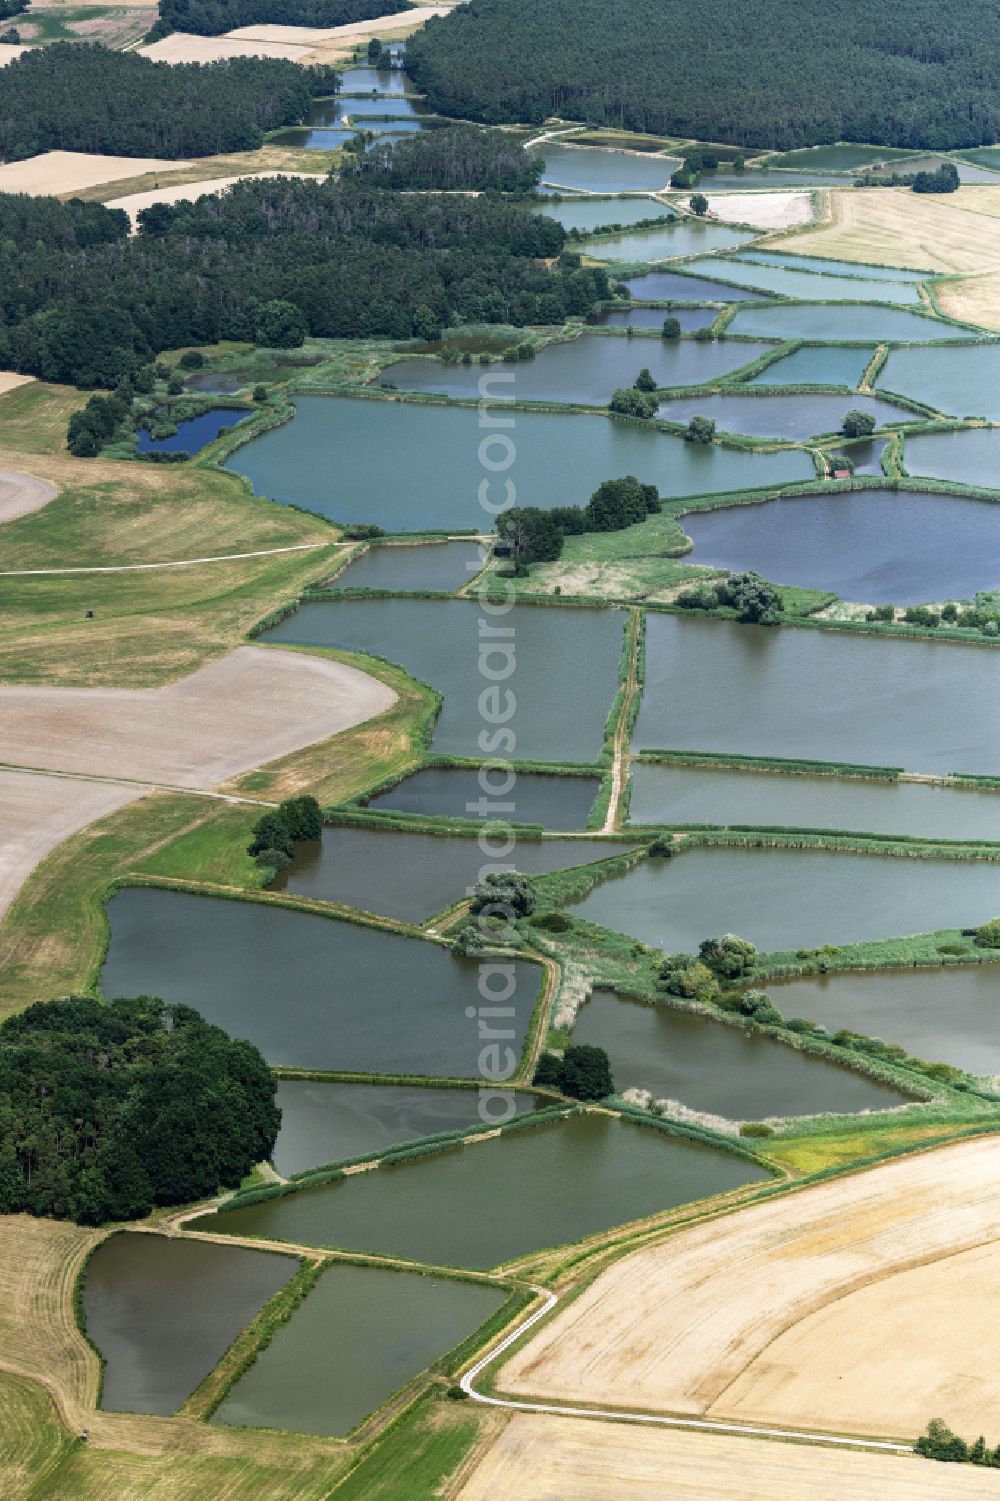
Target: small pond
[947, 1015]
[364, 80]
[215, 381]
[443, 566]
[453, 792]
[815, 263]
[807, 286]
[652, 317]
[193, 433]
[820, 365]
[681, 795]
[791, 417]
[873, 546]
[682, 237]
[868, 324]
[323, 1122]
[483, 1205]
[845, 157]
[789, 899]
[599, 171]
[313, 139]
[308, 991]
[722, 180]
[708, 1065]
[594, 213]
[362, 1333]
[985, 156]
[970, 458]
[674, 286]
[966, 172]
[865, 455]
[437, 641]
[963, 381]
[942, 714]
[163, 1311]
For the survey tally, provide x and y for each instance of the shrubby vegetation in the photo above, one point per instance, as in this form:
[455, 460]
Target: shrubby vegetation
[88, 305]
[775, 76]
[457, 158]
[536, 536]
[212, 17]
[109, 1109]
[755, 601]
[858, 424]
[277, 832]
[631, 402]
[75, 97]
[583, 1072]
[939, 1442]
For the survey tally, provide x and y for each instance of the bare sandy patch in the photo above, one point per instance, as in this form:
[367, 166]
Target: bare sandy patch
[185, 192]
[8, 52]
[672, 1327]
[68, 171]
[38, 812]
[183, 47]
[253, 706]
[763, 210]
[20, 494]
[10, 380]
[544, 1458]
[309, 36]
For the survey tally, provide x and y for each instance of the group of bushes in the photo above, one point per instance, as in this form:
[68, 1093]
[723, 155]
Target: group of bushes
[939, 1442]
[532, 535]
[973, 617]
[700, 977]
[277, 832]
[583, 1073]
[755, 601]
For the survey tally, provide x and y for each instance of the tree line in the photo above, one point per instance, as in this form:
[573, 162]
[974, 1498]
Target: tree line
[456, 159]
[530, 535]
[212, 17]
[73, 96]
[86, 305]
[766, 76]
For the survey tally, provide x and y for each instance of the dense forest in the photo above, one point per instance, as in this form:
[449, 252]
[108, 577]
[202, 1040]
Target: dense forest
[10, 8]
[758, 73]
[77, 97]
[108, 1110]
[81, 302]
[212, 17]
[461, 158]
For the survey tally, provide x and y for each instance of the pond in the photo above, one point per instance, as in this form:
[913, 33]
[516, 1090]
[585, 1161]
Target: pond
[966, 173]
[857, 324]
[412, 876]
[942, 715]
[599, 171]
[652, 317]
[593, 213]
[682, 237]
[865, 455]
[443, 566]
[323, 1122]
[674, 286]
[807, 286]
[215, 381]
[584, 370]
[308, 991]
[365, 80]
[362, 1333]
[313, 139]
[725, 1070]
[681, 795]
[437, 641]
[408, 466]
[845, 157]
[483, 1205]
[969, 458]
[963, 381]
[194, 432]
[453, 792]
[985, 156]
[792, 417]
[947, 1015]
[820, 365]
[756, 178]
[789, 899]
[874, 546]
[163, 1311]
[816, 263]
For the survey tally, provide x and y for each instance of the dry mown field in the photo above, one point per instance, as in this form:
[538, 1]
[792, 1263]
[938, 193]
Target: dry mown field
[304, 44]
[542, 1458]
[701, 1323]
[55, 172]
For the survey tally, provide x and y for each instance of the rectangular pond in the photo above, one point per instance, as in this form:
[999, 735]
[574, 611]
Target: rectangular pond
[816, 263]
[443, 566]
[844, 157]
[821, 365]
[585, 370]
[588, 214]
[682, 237]
[308, 991]
[680, 794]
[438, 642]
[163, 1312]
[873, 546]
[364, 80]
[947, 1015]
[711, 1066]
[807, 286]
[865, 455]
[362, 1333]
[325, 1122]
[412, 876]
[407, 466]
[675, 286]
[461, 792]
[483, 1205]
[193, 433]
[689, 318]
[961, 382]
[971, 457]
[858, 324]
[931, 706]
[591, 169]
[789, 899]
[791, 417]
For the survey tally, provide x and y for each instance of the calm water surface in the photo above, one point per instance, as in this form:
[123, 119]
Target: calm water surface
[652, 317]
[361, 1334]
[308, 991]
[805, 285]
[593, 213]
[842, 158]
[683, 237]
[930, 706]
[163, 1311]
[890, 325]
[793, 417]
[193, 433]
[710, 1066]
[483, 1205]
[824, 365]
[453, 792]
[865, 455]
[816, 263]
[599, 171]
[444, 566]
[961, 382]
[674, 286]
[972, 457]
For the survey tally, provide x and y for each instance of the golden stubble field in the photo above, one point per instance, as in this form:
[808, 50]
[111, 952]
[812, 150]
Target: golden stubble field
[752, 1314]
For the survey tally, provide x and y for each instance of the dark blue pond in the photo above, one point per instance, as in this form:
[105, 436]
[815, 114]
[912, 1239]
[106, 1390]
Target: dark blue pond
[194, 433]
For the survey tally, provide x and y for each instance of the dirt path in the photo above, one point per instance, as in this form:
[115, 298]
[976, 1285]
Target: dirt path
[20, 494]
[228, 557]
[620, 747]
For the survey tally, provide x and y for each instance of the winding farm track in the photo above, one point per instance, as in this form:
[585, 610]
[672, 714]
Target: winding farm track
[228, 557]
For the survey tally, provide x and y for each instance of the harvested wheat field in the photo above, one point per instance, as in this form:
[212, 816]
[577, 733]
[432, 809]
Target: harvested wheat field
[185, 192]
[548, 1459]
[38, 812]
[309, 36]
[896, 227]
[20, 494]
[184, 47]
[8, 52]
[253, 706]
[763, 210]
[671, 1328]
[58, 172]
